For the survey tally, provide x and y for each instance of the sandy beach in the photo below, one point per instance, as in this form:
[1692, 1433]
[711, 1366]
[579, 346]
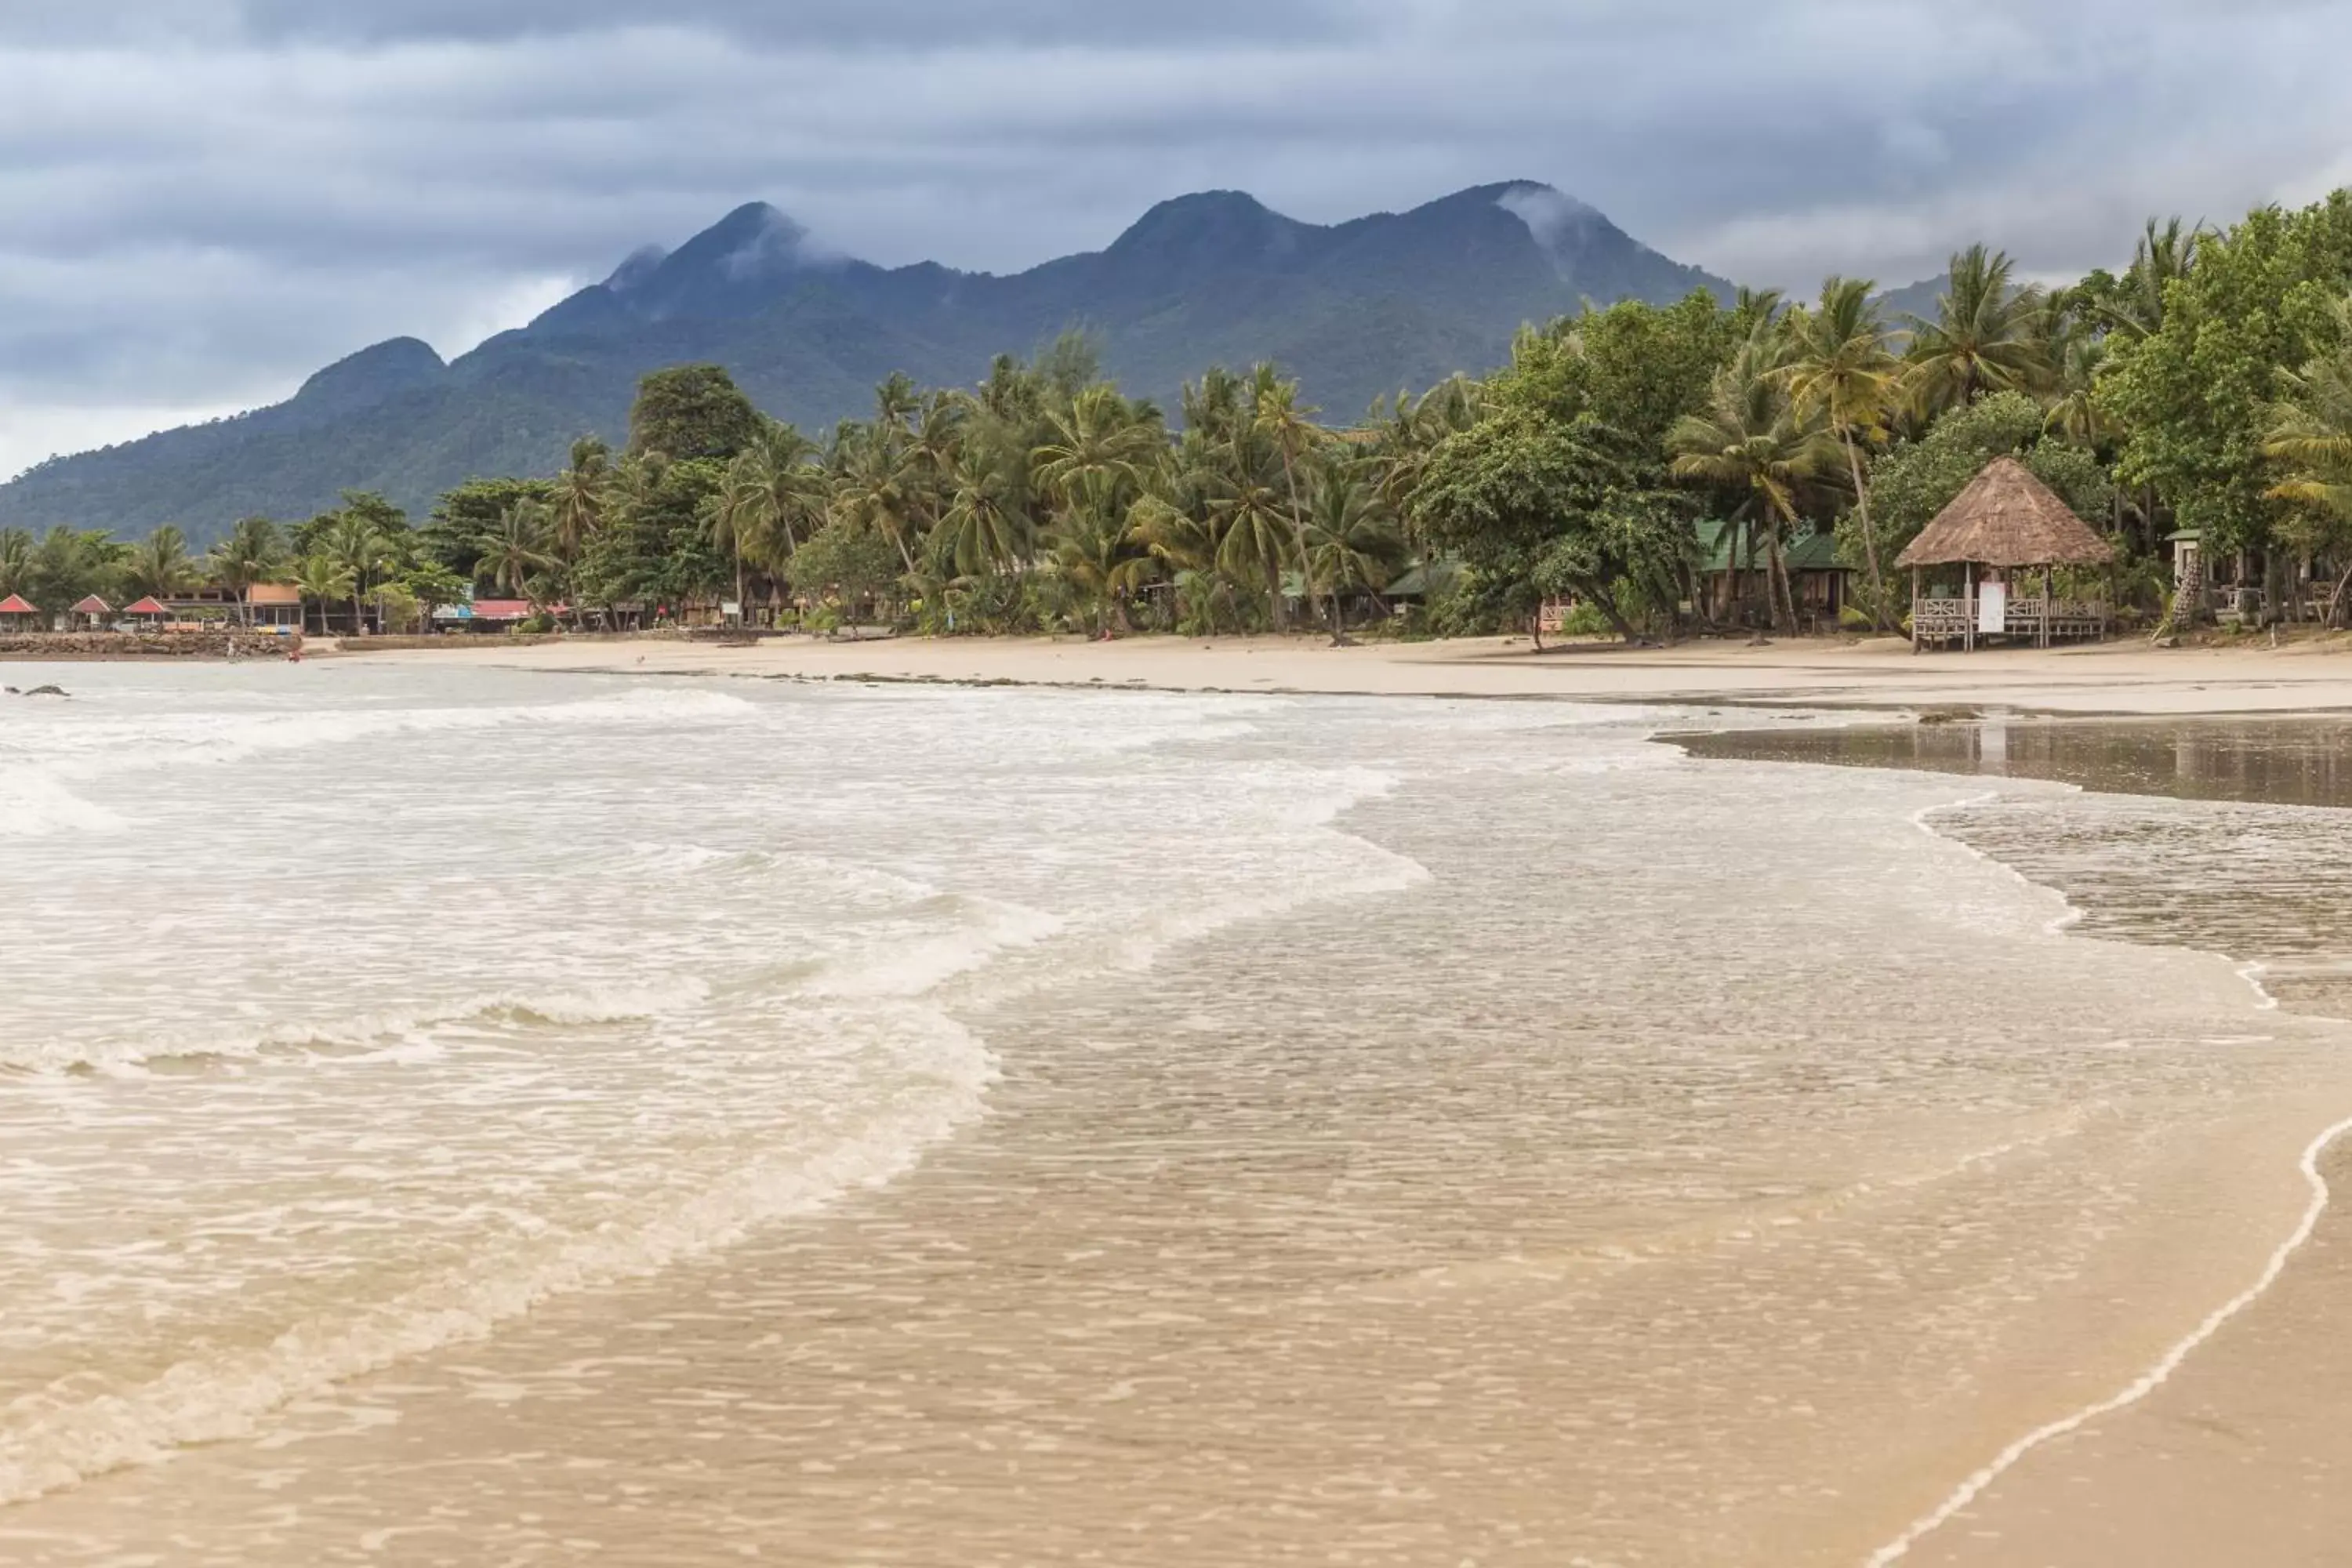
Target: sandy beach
[2231, 1453]
[1753, 1150]
[2118, 678]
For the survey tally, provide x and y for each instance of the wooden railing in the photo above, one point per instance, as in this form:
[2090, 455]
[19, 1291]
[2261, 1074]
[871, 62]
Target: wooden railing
[1939, 620]
[1948, 620]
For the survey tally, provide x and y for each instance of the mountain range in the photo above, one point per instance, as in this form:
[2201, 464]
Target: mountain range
[1355, 309]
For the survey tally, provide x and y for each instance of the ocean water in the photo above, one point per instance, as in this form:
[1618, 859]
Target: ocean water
[454, 1116]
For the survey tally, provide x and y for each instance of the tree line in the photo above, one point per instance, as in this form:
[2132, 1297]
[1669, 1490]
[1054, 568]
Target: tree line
[2206, 386]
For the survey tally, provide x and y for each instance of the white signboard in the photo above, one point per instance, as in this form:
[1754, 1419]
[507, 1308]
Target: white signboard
[730, 608]
[1993, 607]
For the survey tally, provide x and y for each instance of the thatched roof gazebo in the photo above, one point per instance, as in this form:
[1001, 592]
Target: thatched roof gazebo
[18, 614]
[2009, 521]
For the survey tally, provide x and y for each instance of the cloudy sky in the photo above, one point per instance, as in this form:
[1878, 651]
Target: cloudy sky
[203, 200]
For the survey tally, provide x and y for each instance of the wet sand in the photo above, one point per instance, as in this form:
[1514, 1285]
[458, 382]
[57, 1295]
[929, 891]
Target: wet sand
[2110, 678]
[2239, 1453]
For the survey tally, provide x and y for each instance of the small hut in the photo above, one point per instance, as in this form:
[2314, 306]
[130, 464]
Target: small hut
[95, 610]
[149, 613]
[18, 616]
[2001, 532]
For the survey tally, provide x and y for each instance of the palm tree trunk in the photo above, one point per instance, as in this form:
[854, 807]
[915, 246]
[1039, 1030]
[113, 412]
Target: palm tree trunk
[1869, 537]
[1746, 540]
[1776, 569]
[1298, 530]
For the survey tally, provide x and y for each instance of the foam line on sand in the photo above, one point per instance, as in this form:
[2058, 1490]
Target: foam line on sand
[2148, 1382]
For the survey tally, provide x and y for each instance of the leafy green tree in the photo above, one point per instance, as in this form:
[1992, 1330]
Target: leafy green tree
[691, 411]
[1636, 368]
[2195, 394]
[466, 520]
[1541, 504]
[2310, 441]
[1915, 479]
[67, 564]
[845, 559]
[430, 585]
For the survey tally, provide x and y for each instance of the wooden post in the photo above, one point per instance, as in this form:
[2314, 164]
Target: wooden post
[1914, 609]
[1969, 605]
[2049, 605]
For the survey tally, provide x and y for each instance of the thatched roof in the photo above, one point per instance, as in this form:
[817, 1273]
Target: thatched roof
[2007, 518]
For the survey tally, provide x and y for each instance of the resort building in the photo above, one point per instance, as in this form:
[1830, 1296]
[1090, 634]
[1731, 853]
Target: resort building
[491, 614]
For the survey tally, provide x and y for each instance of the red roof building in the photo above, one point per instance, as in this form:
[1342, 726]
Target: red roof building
[146, 606]
[15, 605]
[93, 606]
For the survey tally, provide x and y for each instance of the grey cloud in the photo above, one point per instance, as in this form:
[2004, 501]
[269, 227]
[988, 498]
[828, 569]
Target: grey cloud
[202, 200]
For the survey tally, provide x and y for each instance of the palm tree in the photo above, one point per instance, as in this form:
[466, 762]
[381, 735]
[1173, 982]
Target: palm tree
[1101, 450]
[250, 553]
[355, 544]
[582, 491]
[983, 526]
[875, 488]
[732, 512]
[1255, 530]
[791, 495]
[2163, 257]
[322, 578]
[1983, 338]
[159, 564]
[1840, 367]
[1091, 553]
[2076, 411]
[1750, 441]
[16, 561]
[1351, 541]
[1275, 413]
[518, 552]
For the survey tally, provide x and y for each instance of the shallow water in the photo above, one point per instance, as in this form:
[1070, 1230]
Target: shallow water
[513, 1119]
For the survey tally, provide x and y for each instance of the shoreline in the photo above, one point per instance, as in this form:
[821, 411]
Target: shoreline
[2109, 680]
[2051, 1511]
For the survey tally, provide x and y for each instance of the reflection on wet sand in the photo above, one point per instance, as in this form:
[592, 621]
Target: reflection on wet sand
[2278, 762]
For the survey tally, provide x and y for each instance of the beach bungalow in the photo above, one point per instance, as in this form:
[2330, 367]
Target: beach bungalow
[18, 615]
[149, 613]
[1818, 581]
[94, 610]
[1998, 535]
